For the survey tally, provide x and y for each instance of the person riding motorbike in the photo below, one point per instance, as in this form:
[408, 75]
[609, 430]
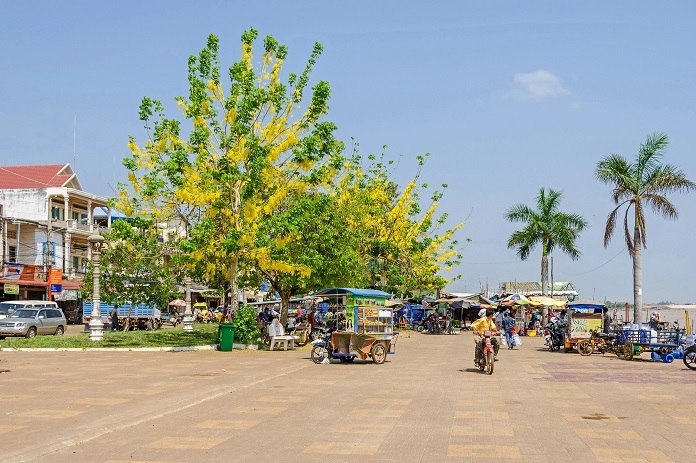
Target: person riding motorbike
[481, 325]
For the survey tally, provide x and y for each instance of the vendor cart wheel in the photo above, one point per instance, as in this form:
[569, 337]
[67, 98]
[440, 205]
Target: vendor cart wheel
[585, 348]
[628, 350]
[379, 353]
[319, 354]
[420, 328]
[689, 360]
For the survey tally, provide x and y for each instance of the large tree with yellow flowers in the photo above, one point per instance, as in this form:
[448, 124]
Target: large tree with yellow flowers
[239, 150]
[403, 240]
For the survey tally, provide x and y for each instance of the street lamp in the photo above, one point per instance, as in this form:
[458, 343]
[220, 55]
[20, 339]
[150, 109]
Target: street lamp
[96, 327]
[188, 315]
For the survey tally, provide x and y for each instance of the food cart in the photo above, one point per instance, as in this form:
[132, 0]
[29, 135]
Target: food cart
[585, 317]
[365, 327]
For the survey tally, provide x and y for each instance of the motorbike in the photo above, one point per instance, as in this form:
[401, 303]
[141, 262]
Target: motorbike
[487, 361]
[554, 334]
[321, 349]
[689, 358]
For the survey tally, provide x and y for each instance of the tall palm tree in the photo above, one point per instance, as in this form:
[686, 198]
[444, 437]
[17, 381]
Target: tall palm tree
[643, 183]
[548, 226]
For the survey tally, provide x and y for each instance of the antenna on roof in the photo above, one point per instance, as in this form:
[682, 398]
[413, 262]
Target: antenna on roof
[74, 145]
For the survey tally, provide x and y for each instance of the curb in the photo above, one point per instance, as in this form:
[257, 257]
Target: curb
[109, 349]
[127, 349]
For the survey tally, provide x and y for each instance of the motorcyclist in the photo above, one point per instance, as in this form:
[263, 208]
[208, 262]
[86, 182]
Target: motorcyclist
[485, 323]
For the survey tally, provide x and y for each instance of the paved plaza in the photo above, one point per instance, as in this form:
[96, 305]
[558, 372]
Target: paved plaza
[427, 403]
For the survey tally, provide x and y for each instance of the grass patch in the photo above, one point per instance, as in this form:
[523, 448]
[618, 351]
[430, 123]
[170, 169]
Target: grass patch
[203, 334]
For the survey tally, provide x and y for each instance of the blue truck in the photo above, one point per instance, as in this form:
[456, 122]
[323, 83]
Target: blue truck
[139, 314]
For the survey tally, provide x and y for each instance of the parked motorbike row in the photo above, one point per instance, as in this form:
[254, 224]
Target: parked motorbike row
[619, 344]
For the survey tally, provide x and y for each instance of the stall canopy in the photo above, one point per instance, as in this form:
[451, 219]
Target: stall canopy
[353, 291]
[586, 305]
[547, 301]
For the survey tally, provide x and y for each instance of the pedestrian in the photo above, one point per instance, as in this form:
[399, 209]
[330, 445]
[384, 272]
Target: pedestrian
[606, 319]
[509, 328]
[114, 319]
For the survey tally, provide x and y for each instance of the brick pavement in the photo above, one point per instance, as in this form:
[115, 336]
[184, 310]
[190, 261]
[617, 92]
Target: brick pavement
[427, 403]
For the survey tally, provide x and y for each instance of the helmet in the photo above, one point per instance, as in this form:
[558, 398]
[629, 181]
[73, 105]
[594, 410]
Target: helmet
[481, 313]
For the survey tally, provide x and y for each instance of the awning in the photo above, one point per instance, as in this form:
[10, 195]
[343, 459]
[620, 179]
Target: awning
[350, 291]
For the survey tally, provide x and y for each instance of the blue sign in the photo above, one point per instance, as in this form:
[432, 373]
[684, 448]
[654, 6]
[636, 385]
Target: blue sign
[56, 288]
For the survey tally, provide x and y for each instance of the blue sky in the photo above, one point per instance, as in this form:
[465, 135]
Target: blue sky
[507, 97]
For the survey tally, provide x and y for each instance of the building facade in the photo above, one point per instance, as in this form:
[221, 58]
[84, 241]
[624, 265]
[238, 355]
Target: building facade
[45, 219]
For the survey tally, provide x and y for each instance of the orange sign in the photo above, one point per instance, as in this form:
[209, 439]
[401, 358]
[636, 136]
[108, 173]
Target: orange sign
[55, 277]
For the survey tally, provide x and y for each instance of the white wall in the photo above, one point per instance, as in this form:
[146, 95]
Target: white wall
[28, 204]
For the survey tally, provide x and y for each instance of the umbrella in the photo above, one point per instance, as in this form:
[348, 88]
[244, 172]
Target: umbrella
[178, 303]
[547, 301]
[518, 299]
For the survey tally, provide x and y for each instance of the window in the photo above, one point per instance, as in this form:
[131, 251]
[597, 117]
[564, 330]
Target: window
[75, 262]
[75, 215]
[56, 213]
[13, 254]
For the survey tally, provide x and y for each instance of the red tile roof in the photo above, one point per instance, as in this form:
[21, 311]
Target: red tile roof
[43, 176]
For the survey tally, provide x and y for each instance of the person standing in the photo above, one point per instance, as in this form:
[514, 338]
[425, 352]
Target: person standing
[114, 318]
[509, 328]
[606, 321]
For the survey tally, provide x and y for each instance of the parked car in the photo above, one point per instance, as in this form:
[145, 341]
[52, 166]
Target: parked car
[30, 322]
[7, 307]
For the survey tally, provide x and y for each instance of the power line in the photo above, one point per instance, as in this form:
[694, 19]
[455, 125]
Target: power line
[596, 268]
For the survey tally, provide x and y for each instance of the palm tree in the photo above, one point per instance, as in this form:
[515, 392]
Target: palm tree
[547, 226]
[643, 183]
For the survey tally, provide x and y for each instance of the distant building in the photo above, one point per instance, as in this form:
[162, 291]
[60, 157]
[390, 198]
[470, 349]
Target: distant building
[560, 290]
[45, 219]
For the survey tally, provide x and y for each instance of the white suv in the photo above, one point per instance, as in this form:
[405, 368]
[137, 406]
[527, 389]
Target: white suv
[29, 318]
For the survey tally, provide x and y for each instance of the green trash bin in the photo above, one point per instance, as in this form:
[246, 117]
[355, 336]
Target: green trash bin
[226, 336]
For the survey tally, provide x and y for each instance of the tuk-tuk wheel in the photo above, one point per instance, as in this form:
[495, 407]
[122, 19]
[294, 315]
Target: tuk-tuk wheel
[628, 350]
[585, 348]
[379, 353]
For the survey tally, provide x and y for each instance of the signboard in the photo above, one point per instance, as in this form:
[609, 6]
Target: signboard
[55, 280]
[11, 289]
[13, 271]
[66, 295]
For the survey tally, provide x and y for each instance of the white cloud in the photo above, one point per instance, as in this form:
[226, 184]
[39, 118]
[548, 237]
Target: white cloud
[537, 85]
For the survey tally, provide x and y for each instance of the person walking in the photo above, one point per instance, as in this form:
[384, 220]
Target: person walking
[509, 328]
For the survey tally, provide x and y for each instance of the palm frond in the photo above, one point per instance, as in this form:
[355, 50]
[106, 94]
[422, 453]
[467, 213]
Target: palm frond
[613, 169]
[611, 224]
[525, 241]
[627, 233]
[668, 179]
[519, 213]
[650, 153]
[662, 206]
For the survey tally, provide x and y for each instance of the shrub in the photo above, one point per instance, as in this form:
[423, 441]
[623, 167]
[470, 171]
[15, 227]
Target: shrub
[246, 330]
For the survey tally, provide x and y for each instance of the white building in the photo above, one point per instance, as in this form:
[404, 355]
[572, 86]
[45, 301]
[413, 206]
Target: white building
[46, 217]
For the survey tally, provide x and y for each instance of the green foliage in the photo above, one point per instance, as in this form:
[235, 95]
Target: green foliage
[547, 226]
[246, 331]
[132, 266]
[637, 185]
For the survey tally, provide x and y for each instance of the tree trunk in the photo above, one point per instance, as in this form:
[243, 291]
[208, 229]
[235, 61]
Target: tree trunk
[637, 277]
[234, 300]
[545, 283]
[284, 306]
